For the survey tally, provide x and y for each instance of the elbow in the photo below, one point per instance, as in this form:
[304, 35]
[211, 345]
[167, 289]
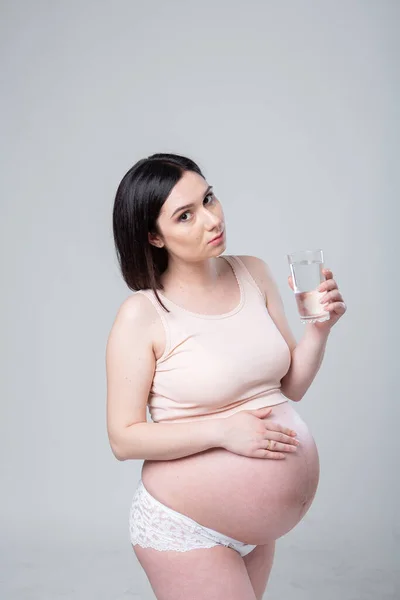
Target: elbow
[118, 455]
[293, 399]
[298, 398]
[291, 396]
[122, 445]
[117, 450]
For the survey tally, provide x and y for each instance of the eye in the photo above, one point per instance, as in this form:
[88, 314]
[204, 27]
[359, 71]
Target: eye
[180, 218]
[209, 195]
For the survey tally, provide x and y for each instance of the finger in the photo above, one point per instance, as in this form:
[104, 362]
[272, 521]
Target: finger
[329, 296]
[328, 273]
[261, 413]
[281, 437]
[262, 453]
[271, 426]
[329, 284]
[274, 446]
[338, 307]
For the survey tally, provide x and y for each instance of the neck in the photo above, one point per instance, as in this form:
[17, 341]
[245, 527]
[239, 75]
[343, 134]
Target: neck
[192, 277]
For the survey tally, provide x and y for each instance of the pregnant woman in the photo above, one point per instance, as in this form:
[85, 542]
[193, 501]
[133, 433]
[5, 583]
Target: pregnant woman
[229, 465]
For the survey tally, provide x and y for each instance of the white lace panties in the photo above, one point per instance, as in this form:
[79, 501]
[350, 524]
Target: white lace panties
[154, 525]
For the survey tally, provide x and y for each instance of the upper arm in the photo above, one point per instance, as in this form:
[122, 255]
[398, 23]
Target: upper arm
[130, 365]
[262, 275]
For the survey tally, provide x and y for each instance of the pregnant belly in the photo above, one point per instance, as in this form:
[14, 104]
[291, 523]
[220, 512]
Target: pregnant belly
[253, 500]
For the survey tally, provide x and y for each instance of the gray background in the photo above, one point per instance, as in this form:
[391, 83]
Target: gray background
[291, 110]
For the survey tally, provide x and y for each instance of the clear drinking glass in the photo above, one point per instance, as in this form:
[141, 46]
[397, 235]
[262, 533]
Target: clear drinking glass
[306, 270]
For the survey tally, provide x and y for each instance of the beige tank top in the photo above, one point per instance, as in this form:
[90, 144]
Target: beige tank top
[216, 365]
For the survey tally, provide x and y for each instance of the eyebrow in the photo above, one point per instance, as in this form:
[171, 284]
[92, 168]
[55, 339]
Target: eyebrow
[210, 187]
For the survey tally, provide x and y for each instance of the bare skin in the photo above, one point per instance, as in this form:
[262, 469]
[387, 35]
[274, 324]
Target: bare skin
[212, 487]
[253, 500]
[212, 573]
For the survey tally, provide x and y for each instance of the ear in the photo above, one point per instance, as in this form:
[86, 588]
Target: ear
[155, 240]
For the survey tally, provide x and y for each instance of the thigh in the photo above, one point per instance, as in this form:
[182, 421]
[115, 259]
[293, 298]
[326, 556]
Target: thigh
[201, 574]
[259, 564]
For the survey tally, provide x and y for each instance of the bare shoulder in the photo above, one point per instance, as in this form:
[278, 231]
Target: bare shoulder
[262, 275]
[136, 309]
[136, 315]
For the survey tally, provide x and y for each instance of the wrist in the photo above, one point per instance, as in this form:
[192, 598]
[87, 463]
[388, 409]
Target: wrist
[218, 429]
[319, 332]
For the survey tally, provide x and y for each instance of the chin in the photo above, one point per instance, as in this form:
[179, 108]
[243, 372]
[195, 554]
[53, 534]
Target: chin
[219, 249]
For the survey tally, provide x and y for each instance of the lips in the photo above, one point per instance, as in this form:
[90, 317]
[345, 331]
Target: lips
[217, 236]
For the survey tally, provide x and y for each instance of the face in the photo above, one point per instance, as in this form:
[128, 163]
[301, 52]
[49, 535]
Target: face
[186, 231]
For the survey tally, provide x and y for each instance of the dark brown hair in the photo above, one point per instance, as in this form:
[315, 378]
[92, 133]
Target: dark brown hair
[138, 201]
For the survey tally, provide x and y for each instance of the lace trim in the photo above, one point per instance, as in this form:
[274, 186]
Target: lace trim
[153, 525]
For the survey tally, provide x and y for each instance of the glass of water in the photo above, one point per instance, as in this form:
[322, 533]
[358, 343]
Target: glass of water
[306, 270]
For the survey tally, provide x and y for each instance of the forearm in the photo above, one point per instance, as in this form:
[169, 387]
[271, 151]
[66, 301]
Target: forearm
[167, 441]
[306, 360]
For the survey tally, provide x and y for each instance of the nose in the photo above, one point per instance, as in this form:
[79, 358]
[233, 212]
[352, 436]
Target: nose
[212, 220]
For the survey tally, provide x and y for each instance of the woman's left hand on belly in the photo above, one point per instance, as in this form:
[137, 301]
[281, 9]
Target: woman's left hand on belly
[332, 301]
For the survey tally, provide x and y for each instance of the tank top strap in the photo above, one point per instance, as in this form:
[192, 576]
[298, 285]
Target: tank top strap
[242, 273]
[163, 316]
[150, 295]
